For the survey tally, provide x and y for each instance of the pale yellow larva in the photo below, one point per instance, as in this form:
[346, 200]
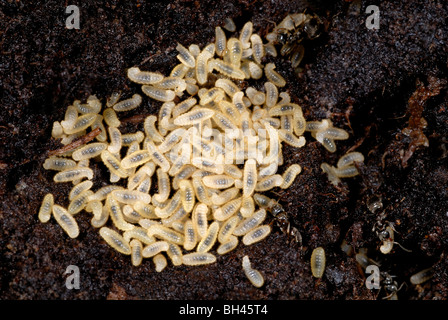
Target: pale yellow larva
[58, 164]
[174, 252]
[130, 138]
[318, 262]
[115, 240]
[157, 157]
[268, 170]
[190, 235]
[229, 87]
[99, 221]
[220, 41]
[200, 192]
[165, 233]
[257, 47]
[254, 276]
[199, 218]
[250, 223]
[171, 206]
[46, 208]
[227, 228]
[269, 182]
[135, 159]
[158, 94]
[171, 140]
[218, 181]
[110, 117]
[289, 175]
[89, 151]
[159, 262]
[185, 56]
[256, 234]
[144, 77]
[225, 196]
[128, 104]
[73, 174]
[227, 246]
[163, 183]
[349, 158]
[145, 210]
[82, 122]
[71, 115]
[271, 94]
[115, 140]
[138, 233]
[249, 177]
[202, 66]
[208, 164]
[116, 214]
[57, 131]
[235, 51]
[273, 76]
[187, 195]
[136, 252]
[346, 172]
[65, 220]
[131, 196]
[183, 107]
[247, 206]
[198, 258]
[79, 202]
[113, 164]
[151, 130]
[245, 34]
[227, 210]
[209, 238]
[192, 117]
[179, 71]
[154, 248]
[226, 69]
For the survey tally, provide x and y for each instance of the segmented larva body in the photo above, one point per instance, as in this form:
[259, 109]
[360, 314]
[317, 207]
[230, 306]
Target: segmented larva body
[113, 164]
[249, 177]
[144, 77]
[318, 262]
[115, 240]
[234, 51]
[198, 258]
[65, 220]
[202, 66]
[254, 276]
[269, 183]
[115, 140]
[273, 76]
[81, 123]
[131, 196]
[138, 233]
[247, 206]
[73, 174]
[158, 94]
[289, 175]
[135, 159]
[157, 157]
[422, 276]
[150, 129]
[89, 151]
[195, 116]
[111, 119]
[258, 48]
[128, 104]
[58, 164]
[187, 195]
[218, 181]
[79, 202]
[250, 223]
[185, 56]
[166, 234]
[46, 208]
[349, 158]
[227, 210]
[209, 238]
[190, 235]
[229, 87]
[199, 219]
[227, 246]
[136, 252]
[219, 199]
[246, 33]
[226, 69]
[163, 182]
[116, 214]
[200, 192]
[256, 234]
[159, 262]
[208, 164]
[175, 253]
[183, 107]
[154, 248]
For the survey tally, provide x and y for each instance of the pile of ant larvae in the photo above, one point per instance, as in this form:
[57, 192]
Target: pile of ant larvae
[210, 151]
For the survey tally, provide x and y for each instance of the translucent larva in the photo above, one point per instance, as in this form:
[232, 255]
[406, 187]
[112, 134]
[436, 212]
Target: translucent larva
[100, 220]
[131, 196]
[196, 116]
[159, 262]
[268, 170]
[46, 208]
[199, 219]
[208, 164]
[274, 76]
[150, 129]
[113, 99]
[315, 126]
[254, 276]
[66, 221]
[145, 210]
[113, 164]
[209, 238]
[163, 182]
[200, 192]
[144, 77]
[250, 223]
[158, 94]
[89, 151]
[171, 140]
[110, 117]
[82, 123]
[298, 123]
[235, 51]
[249, 177]
[202, 66]
[226, 69]
[136, 252]
[175, 253]
[269, 182]
[116, 214]
[329, 144]
[79, 202]
[422, 276]
[227, 246]
[225, 196]
[227, 229]
[138, 233]
[226, 125]
[289, 175]
[283, 109]
[135, 159]
[57, 131]
[228, 86]
[166, 234]
[98, 123]
[245, 34]
[58, 164]
[331, 133]
[154, 248]
[115, 140]
[257, 47]
[187, 195]
[346, 172]
[198, 258]
[179, 71]
[130, 138]
[318, 262]
[349, 158]
[190, 235]
[71, 114]
[291, 139]
[330, 171]
[115, 240]
[73, 174]
[219, 181]
[102, 193]
[220, 41]
[247, 206]
[128, 104]
[233, 171]
[157, 157]
[257, 234]
[227, 210]
[183, 107]
[185, 56]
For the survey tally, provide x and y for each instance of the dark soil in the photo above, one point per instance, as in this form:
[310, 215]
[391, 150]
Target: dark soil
[361, 79]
